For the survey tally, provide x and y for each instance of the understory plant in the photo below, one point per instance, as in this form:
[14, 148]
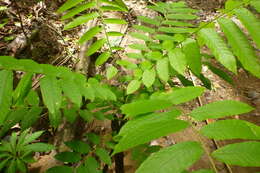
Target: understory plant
[137, 94]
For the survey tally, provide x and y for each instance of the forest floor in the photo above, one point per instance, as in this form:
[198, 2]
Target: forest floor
[49, 43]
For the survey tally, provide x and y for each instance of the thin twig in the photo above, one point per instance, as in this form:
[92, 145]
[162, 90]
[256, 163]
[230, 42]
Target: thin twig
[21, 20]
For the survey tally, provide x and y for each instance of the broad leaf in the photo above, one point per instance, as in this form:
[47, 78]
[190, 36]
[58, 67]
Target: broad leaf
[148, 77]
[78, 9]
[102, 58]
[231, 129]
[241, 46]
[192, 53]
[140, 36]
[218, 48]
[162, 68]
[114, 21]
[39, 147]
[60, 169]
[144, 28]
[147, 128]
[175, 159]
[51, 93]
[78, 146]
[133, 86]
[6, 89]
[111, 72]
[179, 95]
[69, 157]
[240, 154]
[220, 109]
[251, 23]
[90, 34]
[71, 90]
[23, 88]
[68, 4]
[178, 60]
[95, 47]
[31, 117]
[148, 20]
[144, 106]
[81, 20]
[103, 155]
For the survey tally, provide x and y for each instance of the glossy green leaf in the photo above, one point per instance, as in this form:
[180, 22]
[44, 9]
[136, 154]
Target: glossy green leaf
[90, 34]
[182, 16]
[154, 55]
[218, 48]
[147, 128]
[220, 109]
[133, 86]
[114, 34]
[164, 37]
[111, 72]
[162, 68]
[176, 30]
[6, 89]
[241, 46]
[144, 106]
[70, 157]
[178, 60]
[95, 47]
[102, 58]
[81, 20]
[175, 159]
[126, 64]
[176, 23]
[68, 4]
[135, 55]
[148, 77]
[192, 53]
[139, 47]
[240, 154]
[231, 129]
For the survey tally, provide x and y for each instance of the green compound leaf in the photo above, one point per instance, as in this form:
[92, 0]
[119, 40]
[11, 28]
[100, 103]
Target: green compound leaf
[90, 34]
[146, 128]
[218, 48]
[133, 86]
[148, 77]
[251, 23]
[39, 147]
[148, 20]
[192, 53]
[178, 60]
[68, 4]
[220, 109]
[114, 21]
[78, 146]
[144, 106]
[69, 157]
[81, 20]
[175, 159]
[78, 9]
[102, 58]
[111, 72]
[162, 68]
[179, 95]
[95, 47]
[241, 46]
[6, 89]
[231, 129]
[103, 155]
[240, 154]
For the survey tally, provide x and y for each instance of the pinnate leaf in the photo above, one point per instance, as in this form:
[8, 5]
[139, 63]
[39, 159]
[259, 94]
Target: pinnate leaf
[220, 109]
[133, 86]
[175, 159]
[240, 154]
